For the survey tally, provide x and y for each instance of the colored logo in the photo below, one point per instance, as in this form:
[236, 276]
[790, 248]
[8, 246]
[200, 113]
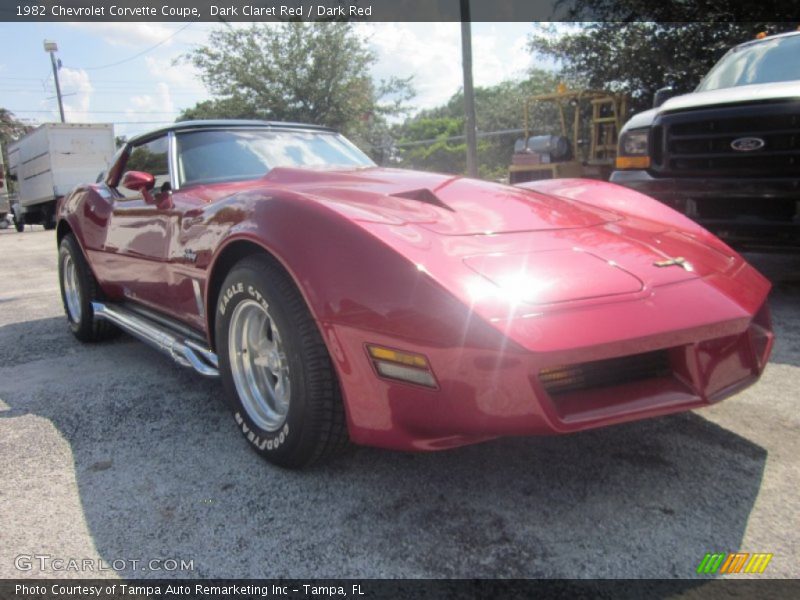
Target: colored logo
[747, 144]
[735, 562]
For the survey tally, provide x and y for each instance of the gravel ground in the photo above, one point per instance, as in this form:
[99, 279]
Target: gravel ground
[111, 452]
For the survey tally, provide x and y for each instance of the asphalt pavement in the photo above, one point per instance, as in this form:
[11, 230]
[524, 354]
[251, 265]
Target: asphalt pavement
[110, 453]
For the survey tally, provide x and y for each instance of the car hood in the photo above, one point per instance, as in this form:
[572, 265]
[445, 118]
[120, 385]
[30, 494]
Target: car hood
[784, 90]
[442, 204]
[543, 248]
[488, 242]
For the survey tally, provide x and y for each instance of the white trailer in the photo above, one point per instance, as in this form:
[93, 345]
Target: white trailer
[5, 206]
[50, 161]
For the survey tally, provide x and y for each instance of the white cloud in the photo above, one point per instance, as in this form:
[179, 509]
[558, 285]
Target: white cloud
[160, 101]
[431, 52]
[494, 62]
[182, 75]
[147, 111]
[77, 89]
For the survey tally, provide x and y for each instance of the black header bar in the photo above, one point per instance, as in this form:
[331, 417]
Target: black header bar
[400, 10]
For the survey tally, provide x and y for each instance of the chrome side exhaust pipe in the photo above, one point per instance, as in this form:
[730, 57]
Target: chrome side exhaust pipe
[185, 352]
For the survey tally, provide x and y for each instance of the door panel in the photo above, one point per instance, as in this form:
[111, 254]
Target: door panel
[137, 244]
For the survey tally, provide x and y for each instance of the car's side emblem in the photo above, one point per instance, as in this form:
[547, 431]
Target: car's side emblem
[678, 261]
[747, 144]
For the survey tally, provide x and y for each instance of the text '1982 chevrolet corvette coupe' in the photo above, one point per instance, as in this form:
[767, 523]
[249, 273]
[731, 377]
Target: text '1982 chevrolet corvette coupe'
[342, 301]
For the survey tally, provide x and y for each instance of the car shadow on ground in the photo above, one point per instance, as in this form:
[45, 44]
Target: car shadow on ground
[162, 472]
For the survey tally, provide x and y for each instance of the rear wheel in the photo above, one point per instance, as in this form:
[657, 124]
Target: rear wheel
[275, 367]
[78, 289]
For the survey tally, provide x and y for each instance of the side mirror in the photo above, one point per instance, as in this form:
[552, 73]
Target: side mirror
[138, 181]
[663, 95]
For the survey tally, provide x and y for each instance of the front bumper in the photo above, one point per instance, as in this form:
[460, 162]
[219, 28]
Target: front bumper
[723, 206]
[486, 393]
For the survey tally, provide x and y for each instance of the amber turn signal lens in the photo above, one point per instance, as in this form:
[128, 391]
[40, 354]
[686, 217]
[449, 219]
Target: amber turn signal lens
[633, 162]
[395, 356]
[403, 366]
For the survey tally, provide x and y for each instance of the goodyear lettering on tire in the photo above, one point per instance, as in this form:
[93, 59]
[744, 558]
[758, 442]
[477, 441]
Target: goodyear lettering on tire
[262, 443]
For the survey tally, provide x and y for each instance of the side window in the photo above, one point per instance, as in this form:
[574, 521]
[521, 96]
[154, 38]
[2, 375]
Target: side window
[152, 158]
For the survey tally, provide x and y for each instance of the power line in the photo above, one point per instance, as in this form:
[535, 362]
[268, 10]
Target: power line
[132, 122]
[110, 92]
[107, 112]
[452, 138]
[137, 55]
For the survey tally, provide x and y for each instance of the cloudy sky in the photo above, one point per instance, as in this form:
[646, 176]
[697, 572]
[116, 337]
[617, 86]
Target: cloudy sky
[145, 89]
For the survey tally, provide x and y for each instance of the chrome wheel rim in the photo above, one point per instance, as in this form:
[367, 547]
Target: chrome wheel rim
[259, 366]
[72, 293]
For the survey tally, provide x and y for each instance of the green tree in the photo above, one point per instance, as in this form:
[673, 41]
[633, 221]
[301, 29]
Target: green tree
[310, 72]
[638, 57]
[499, 108]
[427, 143]
[11, 128]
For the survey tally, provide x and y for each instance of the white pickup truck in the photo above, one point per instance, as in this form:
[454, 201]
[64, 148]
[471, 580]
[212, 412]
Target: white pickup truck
[51, 160]
[728, 154]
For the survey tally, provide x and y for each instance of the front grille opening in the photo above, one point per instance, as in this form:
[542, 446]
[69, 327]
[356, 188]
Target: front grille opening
[567, 379]
[778, 210]
[657, 145]
[701, 143]
[757, 122]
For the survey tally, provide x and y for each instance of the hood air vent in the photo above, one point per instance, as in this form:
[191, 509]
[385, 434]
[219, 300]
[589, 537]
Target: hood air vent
[423, 195]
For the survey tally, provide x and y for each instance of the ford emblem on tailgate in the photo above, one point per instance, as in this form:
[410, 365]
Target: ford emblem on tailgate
[747, 144]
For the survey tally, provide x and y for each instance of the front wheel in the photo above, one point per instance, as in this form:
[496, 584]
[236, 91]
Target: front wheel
[275, 367]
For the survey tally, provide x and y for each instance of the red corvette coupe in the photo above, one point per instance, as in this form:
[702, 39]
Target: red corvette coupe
[342, 301]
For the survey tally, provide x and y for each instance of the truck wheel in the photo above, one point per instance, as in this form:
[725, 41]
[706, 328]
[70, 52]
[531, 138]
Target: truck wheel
[4, 223]
[49, 218]
[275, 368]
[78, 289]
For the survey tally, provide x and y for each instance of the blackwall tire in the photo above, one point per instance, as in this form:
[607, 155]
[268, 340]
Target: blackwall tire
[278, 377]
[78, 289]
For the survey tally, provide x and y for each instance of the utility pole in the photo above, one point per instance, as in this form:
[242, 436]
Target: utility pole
[52, 48]
[469, 93]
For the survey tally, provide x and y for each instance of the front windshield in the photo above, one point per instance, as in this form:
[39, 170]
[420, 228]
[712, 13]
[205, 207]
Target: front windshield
[228, 154]
[769, 61]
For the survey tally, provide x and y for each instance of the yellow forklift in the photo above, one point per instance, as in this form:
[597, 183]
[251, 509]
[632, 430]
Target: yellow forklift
[587, 146]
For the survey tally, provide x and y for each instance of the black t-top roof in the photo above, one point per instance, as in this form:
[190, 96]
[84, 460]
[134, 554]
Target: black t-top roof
[226, 123]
